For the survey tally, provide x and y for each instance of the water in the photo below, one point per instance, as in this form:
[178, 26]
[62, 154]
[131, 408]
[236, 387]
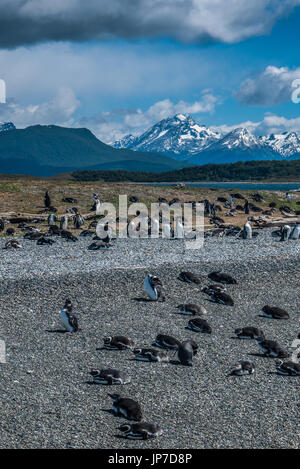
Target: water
[272, 186]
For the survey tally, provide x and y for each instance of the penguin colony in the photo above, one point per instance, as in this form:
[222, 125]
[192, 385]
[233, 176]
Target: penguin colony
[164, 347]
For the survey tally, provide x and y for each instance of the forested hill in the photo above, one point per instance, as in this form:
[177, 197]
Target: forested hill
[241, 171]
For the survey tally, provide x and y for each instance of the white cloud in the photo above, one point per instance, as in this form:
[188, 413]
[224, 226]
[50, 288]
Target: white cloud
[270, 124]
[271, 87]
[33, 21]
[59, 110]
[111, 126]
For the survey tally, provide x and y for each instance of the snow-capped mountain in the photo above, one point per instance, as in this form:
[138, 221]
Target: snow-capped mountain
[286, 144]
[182, 138]
[6, 126]
[178, 135]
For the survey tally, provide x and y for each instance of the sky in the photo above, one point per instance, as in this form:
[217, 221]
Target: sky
[119, 66]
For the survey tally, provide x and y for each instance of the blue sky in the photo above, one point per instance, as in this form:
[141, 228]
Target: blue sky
[120, 71]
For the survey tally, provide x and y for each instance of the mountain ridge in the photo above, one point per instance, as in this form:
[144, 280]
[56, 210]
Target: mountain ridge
[182, 138]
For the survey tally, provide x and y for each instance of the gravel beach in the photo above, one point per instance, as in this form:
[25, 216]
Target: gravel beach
[47, 399]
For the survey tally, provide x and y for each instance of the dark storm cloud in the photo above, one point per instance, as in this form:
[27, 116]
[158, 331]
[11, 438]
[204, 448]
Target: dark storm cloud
[32, 21]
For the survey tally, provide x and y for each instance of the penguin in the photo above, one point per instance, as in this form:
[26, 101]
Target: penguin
[186, 353]
[154, 232]
[221, 277]
[63, 224]
[249, 333]
[189, 277]
[153, 288]
[140, 431]
[222, 298]
[42, 240]
[54, 230]
[287, 368]
[47, 200]
[86, 233]
[246, 207]
[199, 325]
[272, 349]
[99, 245]
[150, 355]
[243, 368]
[167, 231]
[295, 234]
[10, 231]
[33, 236]
[274, 312]
[247, 231]
[68, 236]
[179, 229]
[285, 233]
[126, 407]
[192, 309]
[52, 219]
[1, 224]
[118, 342]
[166, 342]
[110, 376]
[69, 321]
[13, 243]
[215, 288]
[78, 220]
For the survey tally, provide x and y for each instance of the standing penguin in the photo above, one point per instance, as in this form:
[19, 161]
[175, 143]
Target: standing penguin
[179, 230]
[47, 200]
[285, 233]
[52, 219]
[78, 219]
[247, 232]
[295, 232]
[63, 224]
[246, 207]
[153, 288]
[68, 320]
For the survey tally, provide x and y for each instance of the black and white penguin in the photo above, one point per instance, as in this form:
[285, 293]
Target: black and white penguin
[150, 355]
[192, 309]
[186, 353]
[199, 325]
[274, 312]
[166, 342]
[285, 233]
[189, 277]
[99, 246]
[68, 236]
[47, 200]
[52, 219]
[295, 234]
[42, 241]
[287, 368]
[222, 298]
[126, 407]
[63, 223]
[221, 277]
[249, 333]
[69, 321]
[118, 342]
[247, 231]
[110, 376]
[13, 243]
[140, 431]
[78, 220]
[153, 288]
[215, 288]
[243, 368]
[272, 349]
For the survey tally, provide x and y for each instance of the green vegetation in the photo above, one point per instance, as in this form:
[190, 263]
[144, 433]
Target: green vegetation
[241, 171]
[49, 150]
